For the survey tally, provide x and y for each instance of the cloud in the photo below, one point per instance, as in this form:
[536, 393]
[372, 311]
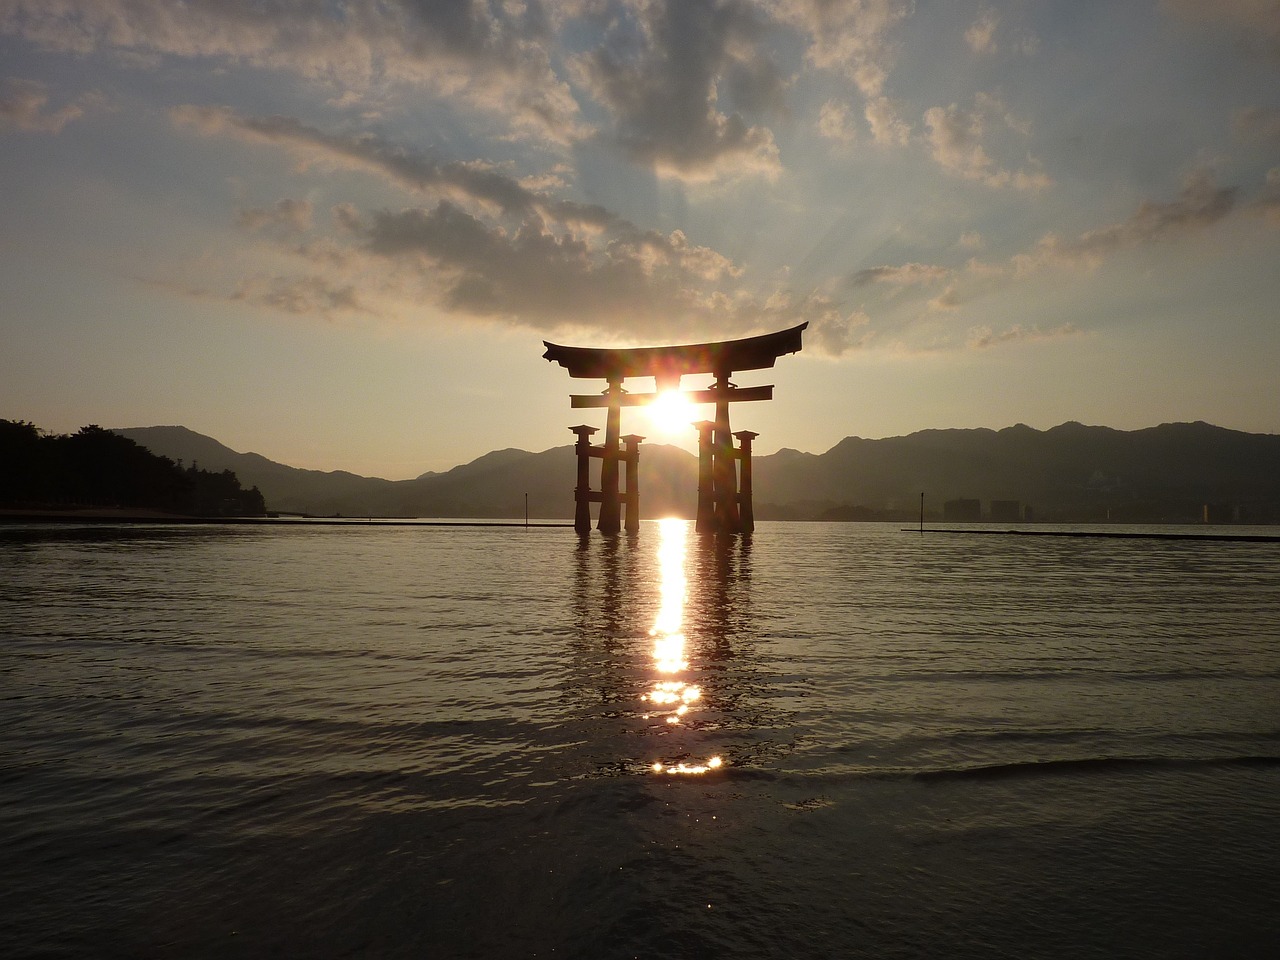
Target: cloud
[982, 337]
[850, 37]
[300, 296]
[475, 181]
[661, 72]
[834, 123]
[494, 249]
[489, 56]
[981, 35]
[908, 274]
[955, 137]
[948, 299]
[23, 108]
[634, 286]
[1201, 203]
[887, 128]
[288, 215]
[543, 279]
[834, 333]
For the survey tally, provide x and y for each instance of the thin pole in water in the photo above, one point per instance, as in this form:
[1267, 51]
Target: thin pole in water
[526, 509]
[922, 511]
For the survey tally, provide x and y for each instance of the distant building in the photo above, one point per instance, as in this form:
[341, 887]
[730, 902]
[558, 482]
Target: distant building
[1006, 510]
[962, 510]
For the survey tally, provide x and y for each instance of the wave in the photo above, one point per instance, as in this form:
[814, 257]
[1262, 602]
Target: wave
[1036, 768]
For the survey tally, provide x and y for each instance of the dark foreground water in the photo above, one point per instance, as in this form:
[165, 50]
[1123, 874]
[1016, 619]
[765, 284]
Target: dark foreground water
[831, 741]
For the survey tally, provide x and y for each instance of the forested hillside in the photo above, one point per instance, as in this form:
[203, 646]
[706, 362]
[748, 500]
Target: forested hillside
[98, 468]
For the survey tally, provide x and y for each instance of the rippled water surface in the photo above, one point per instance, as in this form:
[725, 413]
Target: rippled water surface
[831, 740]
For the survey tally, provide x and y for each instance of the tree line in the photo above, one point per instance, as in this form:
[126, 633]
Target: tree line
[94, 467]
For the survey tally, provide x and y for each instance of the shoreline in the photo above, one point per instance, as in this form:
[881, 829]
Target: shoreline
[155, 517]
[1106, 534]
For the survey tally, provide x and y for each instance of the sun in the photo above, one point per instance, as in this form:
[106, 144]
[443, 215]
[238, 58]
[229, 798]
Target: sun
[672, 412]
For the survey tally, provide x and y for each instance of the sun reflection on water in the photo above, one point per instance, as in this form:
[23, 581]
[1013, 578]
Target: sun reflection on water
[671, 695]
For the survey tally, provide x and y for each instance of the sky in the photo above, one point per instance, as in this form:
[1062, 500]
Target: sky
[336, 232]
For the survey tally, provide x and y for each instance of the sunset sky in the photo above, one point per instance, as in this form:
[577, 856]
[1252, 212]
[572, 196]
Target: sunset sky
[336, 233]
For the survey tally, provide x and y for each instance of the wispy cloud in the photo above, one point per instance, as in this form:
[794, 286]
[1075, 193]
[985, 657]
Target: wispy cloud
[289, 215]
[489, 56]
[24, 107]
[663, 72]
[476, 181]
[908, 274]
[983, 337]
[494, 249]
[850, 37]
[981, 35]
[956, 139]
[887, 127]
[834, 122]
[1200, 204]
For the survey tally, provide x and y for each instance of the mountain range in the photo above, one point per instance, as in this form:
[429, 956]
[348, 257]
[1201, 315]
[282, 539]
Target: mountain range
[1071, 472]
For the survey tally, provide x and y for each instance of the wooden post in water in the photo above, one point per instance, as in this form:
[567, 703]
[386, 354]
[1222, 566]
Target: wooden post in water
[724, 468]
[746, 512]
[610, 521]
[631, 483]
[706, 492]
[582, 492]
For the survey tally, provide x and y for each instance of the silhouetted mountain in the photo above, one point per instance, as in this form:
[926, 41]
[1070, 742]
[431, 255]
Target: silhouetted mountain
[100, 469]
[1070, 472]
[493, 485]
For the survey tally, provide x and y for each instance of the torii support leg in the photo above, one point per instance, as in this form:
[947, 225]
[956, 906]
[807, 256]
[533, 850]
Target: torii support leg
[610, 521]
[724, 469]
[631, 484]
[746, 512]
[582, 492]
[706, 489]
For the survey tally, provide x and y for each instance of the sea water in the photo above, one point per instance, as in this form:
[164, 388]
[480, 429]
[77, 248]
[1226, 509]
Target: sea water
[827, 740]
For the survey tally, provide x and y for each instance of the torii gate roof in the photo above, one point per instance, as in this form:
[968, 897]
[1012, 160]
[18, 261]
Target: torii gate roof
[668, 363]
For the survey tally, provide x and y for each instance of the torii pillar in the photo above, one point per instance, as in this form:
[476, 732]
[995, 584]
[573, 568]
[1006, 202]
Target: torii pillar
[610, 521]
[724, 469]
[582, 495]
[631, 484]
[746, 512]
[706, 521]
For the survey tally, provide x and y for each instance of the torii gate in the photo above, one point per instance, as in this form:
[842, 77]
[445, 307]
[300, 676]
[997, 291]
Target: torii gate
[724, 506]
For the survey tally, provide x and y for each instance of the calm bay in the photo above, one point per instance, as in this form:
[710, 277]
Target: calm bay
[827, 740]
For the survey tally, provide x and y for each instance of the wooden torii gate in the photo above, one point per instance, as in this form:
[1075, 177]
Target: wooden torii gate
[724, 505]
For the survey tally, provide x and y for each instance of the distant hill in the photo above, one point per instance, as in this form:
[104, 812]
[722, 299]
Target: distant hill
[1071, 472]
[95, 469]
[493, 485]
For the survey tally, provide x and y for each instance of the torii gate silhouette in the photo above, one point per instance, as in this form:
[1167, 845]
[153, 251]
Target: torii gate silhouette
[724, 503]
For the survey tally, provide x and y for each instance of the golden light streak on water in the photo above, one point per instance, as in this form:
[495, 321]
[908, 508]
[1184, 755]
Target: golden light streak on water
[673, 695]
